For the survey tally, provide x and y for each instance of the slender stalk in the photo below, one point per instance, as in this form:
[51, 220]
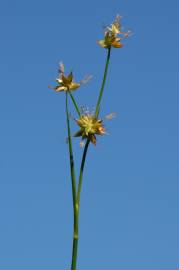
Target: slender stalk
[81, 171]
[76, 211]
[73, 180]
[77, 200]
[103, 83]
[96, 114]
[76, 215]
[75, 239]
[75, 103]
[72, 169]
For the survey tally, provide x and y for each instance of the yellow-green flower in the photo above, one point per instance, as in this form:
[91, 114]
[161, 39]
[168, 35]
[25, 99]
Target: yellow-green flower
[113, 35]
[90, 126]
[110, 40]
[66, 83]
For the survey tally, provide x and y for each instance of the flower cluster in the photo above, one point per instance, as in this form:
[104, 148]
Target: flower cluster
[113, 35]
[90, 126]
[66, 83]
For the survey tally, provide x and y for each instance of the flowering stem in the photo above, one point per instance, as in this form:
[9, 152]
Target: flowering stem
[88, 141]
[103, 83]
[75, 204]
[71, 154]
[75, 208]
[75, 239]
[75, 103]
[81, 171]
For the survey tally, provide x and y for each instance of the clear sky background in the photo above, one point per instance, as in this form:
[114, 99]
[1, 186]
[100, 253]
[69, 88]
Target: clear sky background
[130, 198]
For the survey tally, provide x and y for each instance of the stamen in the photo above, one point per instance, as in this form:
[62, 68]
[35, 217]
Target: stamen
[61, 68]
[110, 116]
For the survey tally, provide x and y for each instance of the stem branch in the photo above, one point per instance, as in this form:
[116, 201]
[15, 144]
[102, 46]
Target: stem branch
[75, 103]
[76, 196]
[72, 169]
[81, 171]
[103, 83]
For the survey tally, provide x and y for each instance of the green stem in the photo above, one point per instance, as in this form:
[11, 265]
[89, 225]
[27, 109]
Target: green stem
[75, 239]
[71, 154]
[81, 171]
[74, 256]
[103, 83]
[76, 210]
[96, 113]
[75, 103]
[76, 202]
[75, 205]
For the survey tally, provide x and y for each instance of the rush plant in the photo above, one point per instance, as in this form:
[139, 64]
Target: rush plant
[90, 125]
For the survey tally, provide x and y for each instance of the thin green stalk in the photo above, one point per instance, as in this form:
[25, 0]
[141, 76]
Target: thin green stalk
[75, 208]
[74, 256]
[96, 114]
[77, 202]
[75, 103]
[81, 171]
[75, 239]
[76, 212]
[103, 83]
[75, 242]
[71, 154]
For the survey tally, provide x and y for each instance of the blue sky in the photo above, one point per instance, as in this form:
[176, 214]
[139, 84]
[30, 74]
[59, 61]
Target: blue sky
[130, 204]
